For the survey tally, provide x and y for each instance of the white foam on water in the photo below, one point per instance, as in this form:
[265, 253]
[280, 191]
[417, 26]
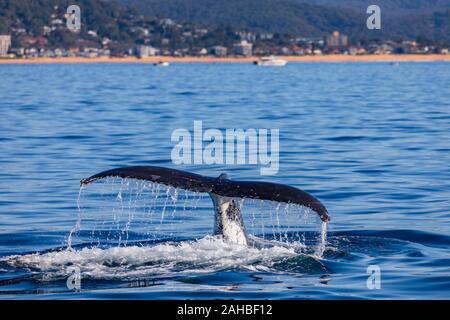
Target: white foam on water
[208, 254]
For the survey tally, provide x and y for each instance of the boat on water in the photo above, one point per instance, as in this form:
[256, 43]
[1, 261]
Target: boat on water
[270, 61]
[161, 64]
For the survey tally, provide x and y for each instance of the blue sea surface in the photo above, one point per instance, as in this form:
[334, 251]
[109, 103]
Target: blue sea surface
[370, 140]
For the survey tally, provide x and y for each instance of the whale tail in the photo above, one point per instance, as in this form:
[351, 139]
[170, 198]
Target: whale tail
[228, 220]
[223, 192]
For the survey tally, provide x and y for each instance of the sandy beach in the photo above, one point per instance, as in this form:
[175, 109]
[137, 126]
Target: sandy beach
[318, 58]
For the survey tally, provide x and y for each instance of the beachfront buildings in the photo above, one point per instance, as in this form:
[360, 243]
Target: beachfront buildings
[146, 51]
[336, 40]
[219, 51]
[5, 44]
[244, 48]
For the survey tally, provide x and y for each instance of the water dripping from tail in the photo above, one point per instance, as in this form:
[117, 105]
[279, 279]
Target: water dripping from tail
[149, 212]
[322, 241]
[77, 225]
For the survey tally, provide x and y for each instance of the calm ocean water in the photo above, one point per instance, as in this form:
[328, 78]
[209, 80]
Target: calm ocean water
[371, 140]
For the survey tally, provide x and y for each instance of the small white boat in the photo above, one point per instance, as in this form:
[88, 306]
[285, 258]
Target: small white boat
[271, 61]
[161, 64]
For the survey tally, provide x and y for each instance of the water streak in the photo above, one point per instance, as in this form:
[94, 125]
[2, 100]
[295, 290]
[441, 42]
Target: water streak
[78, 222]
[323, 241]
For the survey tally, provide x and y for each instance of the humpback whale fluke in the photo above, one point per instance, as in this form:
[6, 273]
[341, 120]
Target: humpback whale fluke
[228, 219]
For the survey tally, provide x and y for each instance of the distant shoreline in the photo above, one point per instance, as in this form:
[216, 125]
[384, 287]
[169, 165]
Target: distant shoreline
[154, 59]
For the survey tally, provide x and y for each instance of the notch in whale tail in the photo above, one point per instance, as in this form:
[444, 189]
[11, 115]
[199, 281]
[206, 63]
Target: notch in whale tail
[221, 189]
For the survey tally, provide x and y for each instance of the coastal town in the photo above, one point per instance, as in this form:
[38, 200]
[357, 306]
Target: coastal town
[335, 43]
[163, 37]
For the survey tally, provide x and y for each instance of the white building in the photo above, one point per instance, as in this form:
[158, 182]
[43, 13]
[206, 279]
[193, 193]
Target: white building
[244, 48]
[219, 51]
[203, 52]
[5, 44]
[146, 51]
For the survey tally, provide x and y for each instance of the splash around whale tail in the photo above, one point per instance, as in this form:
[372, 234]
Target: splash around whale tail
[221, 189]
